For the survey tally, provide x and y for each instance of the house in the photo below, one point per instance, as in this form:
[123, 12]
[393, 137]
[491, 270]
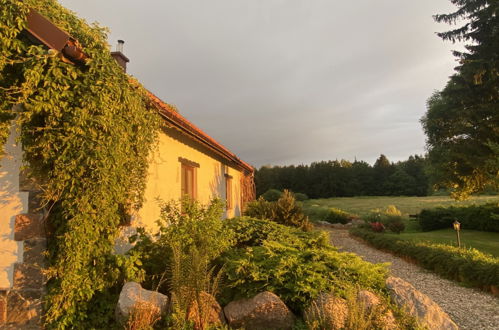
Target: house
[186, 161]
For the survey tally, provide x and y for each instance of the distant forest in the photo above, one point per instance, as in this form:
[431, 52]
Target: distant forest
[346, 179]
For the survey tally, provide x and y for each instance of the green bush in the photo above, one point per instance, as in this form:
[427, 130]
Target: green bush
[315, 212]
[395, 225]
[293, 264]
[391, 218]
[186, 226]
[284, 211]
[337, 216]
[468, 266]
[477, 217]
[272, 195]
[260, 209]
[300, 197]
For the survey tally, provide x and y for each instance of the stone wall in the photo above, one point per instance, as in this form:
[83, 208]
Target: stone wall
[22, 244]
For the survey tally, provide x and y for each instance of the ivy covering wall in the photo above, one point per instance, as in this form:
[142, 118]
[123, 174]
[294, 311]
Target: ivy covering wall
[86, 132]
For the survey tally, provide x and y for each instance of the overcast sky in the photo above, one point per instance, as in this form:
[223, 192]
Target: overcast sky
[288, 81]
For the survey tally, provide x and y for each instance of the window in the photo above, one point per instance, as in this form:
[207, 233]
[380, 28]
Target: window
[188, 174]
[228, 191]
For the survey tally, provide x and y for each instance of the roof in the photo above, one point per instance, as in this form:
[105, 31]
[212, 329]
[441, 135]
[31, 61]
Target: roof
[185, 126]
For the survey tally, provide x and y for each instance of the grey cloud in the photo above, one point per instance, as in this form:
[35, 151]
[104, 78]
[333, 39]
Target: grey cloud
[288, 81]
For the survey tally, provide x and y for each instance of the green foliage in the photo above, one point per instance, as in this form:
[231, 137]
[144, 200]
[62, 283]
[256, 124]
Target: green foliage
[335, 215]
[396, 225]
[284, 211]
[188, 226]
[469, 266]
[461, 122]
[479, 217]
[86, 133]
[300, 197]
[293, 264]
[178, 259]
[260, 209]
[390, 218]
[272, 195]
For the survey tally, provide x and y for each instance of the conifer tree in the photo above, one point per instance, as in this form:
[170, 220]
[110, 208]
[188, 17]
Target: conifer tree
[462, 120]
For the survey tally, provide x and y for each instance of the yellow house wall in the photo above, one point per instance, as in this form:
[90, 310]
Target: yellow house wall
[164, 176]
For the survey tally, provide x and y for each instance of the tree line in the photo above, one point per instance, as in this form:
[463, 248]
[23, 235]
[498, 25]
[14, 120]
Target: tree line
[343, 178]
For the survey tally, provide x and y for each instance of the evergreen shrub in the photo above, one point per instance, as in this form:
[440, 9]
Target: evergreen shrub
[300, 197]
[294, 264]
[285, 211]
[477, 217]
[335, 215]
[272, 195]
[390, 218]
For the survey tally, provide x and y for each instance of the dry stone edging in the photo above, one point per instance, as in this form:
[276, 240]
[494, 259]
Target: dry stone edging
[132, 295]
[265, 311]
[419, 305]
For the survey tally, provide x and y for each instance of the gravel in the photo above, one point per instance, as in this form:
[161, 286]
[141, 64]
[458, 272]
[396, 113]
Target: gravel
[469, 308]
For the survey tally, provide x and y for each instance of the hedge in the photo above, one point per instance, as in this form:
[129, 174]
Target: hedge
[468, 266]
[478, 217]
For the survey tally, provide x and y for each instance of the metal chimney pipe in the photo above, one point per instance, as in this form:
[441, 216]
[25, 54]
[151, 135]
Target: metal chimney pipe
[119, 47]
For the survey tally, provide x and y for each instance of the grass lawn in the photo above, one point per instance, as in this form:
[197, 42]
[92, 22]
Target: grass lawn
[408, 205]
[484, 241]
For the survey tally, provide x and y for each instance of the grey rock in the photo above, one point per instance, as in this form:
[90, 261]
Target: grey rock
[264, 311]
[134, 296]
[419, 305]
[327, 312]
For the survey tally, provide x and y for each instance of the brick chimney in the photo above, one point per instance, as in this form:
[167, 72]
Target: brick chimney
[119, 56]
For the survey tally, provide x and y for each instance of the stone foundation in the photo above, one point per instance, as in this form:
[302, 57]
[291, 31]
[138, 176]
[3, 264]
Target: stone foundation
[21, 305]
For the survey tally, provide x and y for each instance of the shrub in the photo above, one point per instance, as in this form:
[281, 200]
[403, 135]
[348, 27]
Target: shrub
[287, 212]
[300, 197]
[392, 210]
[390, 218]
[260, 209]
[178, 259]
[478, 217]
[337, 216]
[284, 211]
[396, 226]
[293, 264]
[468, 266]
[315, 212]
[271, 195]
[377, 227]
[186, 226]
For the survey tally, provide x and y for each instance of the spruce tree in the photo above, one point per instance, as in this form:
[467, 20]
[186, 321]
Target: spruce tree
[462, 120]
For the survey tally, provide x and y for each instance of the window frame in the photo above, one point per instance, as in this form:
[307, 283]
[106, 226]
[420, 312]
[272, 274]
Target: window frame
[229, 196]
[188, 169]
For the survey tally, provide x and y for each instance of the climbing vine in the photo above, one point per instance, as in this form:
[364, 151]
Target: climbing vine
[86, 131]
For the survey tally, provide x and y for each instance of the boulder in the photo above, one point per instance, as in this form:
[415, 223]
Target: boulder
[419, 305]
[133, 296]
[368, 299]
[385, 319]
[327, 312]
[264, 311]
[212, 313]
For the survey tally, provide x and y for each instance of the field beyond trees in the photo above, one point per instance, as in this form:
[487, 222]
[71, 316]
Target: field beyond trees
[407, 205]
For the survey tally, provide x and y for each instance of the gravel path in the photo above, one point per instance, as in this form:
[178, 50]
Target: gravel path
[469, 308]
